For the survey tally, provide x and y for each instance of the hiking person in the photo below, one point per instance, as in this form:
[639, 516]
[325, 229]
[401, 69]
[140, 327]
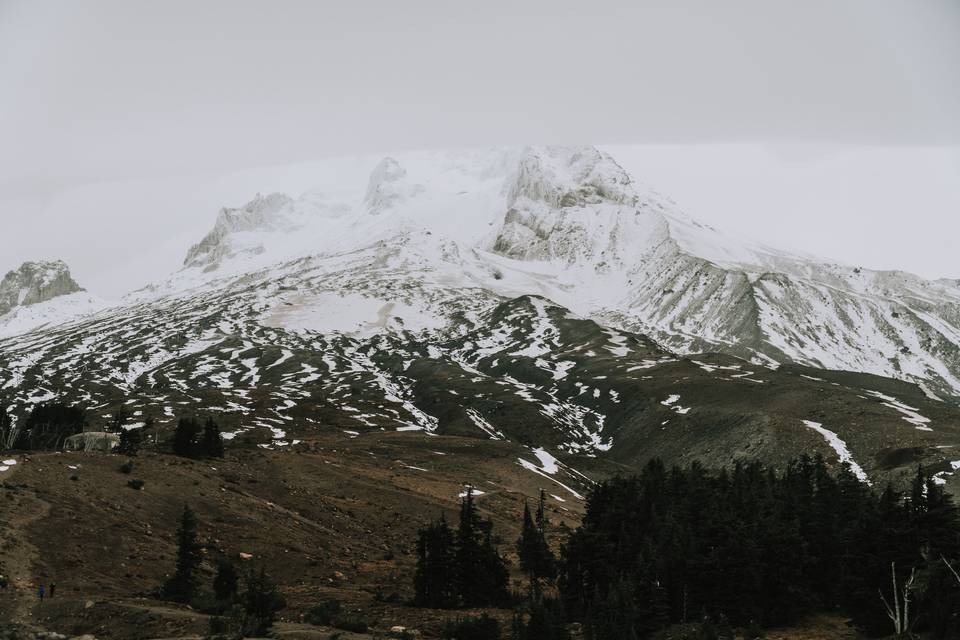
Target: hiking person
[53, 587]
[40, 592]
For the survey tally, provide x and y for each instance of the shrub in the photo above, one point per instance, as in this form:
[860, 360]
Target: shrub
[324, 613]
[127, 467]
[136, 485]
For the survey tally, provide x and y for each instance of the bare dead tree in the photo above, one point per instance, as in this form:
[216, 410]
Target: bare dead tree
[899, 613]
[950, 567]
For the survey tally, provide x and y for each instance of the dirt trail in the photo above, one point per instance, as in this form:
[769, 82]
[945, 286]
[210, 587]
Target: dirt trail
[17, 553]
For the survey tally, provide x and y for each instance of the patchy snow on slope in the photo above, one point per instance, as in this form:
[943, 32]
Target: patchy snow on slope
[909, 413]
[618, 344]
[941, 476]
[349, 313]
[838, 445]
[549, 467]
[671, 402]
[51, 313]
[548, 464]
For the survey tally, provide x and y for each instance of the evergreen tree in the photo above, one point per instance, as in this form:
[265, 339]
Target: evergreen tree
[536, 558]
[758, 548]
[6, 428]
[185, 441]
[260, 601]
[225, 583]
[212, 443]
[435, 580]
[481, 572]
[182, 585]
[546, 622]
[120, 417]
[130, 441]
[48, 425]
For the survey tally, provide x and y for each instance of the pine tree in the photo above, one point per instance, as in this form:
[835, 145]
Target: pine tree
[261, 601]
[212, 443]
[496, 575]
[130, 441]
[225, 583]
[48, 425]
[182, 585]
[527, 548]
[546, 621]
[482, 575]
[120, 417]
[435, 583]
[185, 438]
[547, 566]
[536, 558]
[6, 428]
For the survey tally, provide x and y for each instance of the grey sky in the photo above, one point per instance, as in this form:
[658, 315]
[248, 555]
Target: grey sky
[175, 93]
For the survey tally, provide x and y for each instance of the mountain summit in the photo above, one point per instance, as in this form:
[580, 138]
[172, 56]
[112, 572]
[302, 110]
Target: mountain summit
[36, 282]
[539, 296]
[569, 223]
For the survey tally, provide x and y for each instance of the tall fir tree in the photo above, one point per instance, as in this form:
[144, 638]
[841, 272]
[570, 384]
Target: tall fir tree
[185, 442]
[435, 579]
[212, 443]
[182, 585]
[536, 558]
[48, 425]
[261, 600]
[226, 583]
[482, 574]
[130, 441]
[6, 428]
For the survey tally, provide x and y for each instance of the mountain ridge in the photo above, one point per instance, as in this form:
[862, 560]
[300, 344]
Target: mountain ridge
[610, 249]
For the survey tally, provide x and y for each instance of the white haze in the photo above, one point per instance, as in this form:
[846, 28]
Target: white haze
[824, 126]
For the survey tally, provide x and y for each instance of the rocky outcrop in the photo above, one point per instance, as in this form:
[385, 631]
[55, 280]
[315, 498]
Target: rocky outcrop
[387, 187]
[262, 213]
[92, 441]
[576, 206]
[36, 282]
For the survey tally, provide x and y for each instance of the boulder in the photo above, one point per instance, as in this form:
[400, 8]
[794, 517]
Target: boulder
[92, 441]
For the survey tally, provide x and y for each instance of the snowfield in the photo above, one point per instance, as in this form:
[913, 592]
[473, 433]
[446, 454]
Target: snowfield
[350, 314]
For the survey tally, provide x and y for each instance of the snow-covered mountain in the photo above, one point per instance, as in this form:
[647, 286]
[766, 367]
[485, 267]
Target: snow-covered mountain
[570, 224]
[539, 295]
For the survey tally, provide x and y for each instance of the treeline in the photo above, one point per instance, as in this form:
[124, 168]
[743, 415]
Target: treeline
[460, 568]
[748, 547]
[46, 428]
[193, 441]
[463, 568]
[49, 425]
[757, 549]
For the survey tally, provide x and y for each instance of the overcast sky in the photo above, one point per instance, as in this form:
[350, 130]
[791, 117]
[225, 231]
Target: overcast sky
[829, 126]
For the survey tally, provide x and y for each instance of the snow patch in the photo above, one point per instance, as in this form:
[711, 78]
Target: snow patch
[838, 445]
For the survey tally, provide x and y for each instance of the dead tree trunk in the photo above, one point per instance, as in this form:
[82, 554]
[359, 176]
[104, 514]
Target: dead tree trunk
[899, 613]
[950, 567]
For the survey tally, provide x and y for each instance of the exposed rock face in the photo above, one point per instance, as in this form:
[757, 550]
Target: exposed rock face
[36, 282]
[387, 187]
[262, 213]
